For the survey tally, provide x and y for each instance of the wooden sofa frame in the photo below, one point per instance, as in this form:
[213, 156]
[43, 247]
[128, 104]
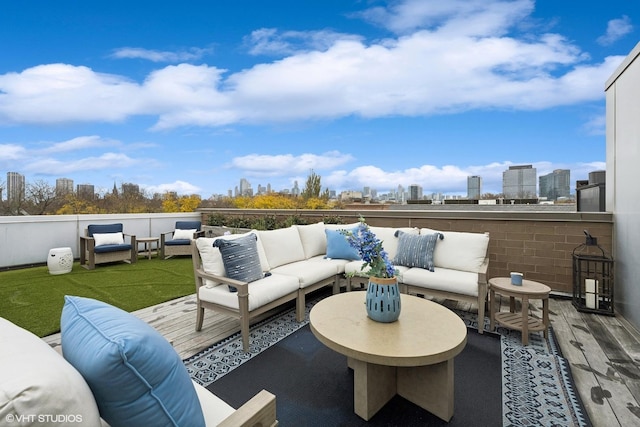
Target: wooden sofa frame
[242, 313]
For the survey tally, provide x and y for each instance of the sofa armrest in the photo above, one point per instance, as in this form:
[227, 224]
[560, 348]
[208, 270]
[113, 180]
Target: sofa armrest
[241, 286]
[260, 410]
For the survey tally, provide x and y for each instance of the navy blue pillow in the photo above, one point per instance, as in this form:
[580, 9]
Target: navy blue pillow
[416, 250]
[240, 258]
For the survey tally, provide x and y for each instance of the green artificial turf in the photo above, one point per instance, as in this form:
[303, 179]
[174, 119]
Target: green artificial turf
[33, 299]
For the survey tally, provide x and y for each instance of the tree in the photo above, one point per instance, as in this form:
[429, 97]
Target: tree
[312, 187]
[41, 196]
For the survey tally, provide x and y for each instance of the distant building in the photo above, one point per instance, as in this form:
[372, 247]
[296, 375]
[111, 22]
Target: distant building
[15, 187]
[474, 187]
[520, 182]
[555, 184]
[85, 191]
[415, 192]
[64, 186]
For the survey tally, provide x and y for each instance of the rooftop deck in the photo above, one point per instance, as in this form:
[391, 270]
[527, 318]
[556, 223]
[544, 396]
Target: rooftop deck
[604, 352]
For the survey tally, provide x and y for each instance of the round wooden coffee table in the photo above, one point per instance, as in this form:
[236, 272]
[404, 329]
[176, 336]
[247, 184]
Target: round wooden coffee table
[411, 357]
[520, 321]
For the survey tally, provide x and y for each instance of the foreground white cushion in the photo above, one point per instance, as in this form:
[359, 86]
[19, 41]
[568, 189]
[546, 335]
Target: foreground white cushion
[389, 239]
[36, 380]
[214, 409]
[307, 272]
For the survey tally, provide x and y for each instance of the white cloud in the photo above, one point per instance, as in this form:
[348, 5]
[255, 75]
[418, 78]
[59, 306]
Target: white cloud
[269, 41]
[263, 165]
[180, 187]
[10, 152]
[79, 143]
[457, 56]
[191, 54]
[616, 29]
[105, 161]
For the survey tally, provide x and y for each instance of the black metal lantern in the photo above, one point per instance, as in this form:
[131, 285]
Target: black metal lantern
[592, 278]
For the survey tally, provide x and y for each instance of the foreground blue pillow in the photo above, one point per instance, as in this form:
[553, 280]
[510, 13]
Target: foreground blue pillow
[338, 246]
[135, 375]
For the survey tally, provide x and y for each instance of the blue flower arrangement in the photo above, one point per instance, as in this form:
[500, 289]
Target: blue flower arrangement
[370, 248]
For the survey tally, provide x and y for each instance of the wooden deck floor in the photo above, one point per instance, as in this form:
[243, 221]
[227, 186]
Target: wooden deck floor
[603, 351]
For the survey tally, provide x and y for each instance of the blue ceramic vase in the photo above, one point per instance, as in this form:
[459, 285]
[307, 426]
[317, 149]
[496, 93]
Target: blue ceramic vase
[383, 299]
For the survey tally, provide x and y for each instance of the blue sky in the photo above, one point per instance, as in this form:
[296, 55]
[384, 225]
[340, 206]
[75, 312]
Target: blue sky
[193, 96]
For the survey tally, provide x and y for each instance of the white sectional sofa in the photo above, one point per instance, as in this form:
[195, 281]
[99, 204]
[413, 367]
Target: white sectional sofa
[293, 261]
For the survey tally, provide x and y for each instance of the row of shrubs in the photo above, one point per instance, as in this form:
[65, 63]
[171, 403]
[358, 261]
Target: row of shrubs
[266, 222]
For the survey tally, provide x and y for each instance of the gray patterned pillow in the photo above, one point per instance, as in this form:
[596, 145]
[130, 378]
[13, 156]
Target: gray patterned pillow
[240, 258]
[416, 250]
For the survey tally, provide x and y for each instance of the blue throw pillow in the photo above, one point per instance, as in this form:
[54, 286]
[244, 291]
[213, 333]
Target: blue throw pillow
[240, 258]
[135, 375]
[338, 247]
[416, 250]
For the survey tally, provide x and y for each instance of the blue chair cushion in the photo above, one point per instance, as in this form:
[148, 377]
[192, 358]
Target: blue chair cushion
[135, 375]
[188, 225]
[103, 228]
[112, 248]
[178, 242]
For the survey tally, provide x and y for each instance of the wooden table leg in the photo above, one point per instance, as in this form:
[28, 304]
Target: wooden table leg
[492, 308]
[545, 316]
[525, 320]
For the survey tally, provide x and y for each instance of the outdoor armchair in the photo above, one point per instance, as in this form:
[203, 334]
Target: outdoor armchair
[178, 241]
[104, 243]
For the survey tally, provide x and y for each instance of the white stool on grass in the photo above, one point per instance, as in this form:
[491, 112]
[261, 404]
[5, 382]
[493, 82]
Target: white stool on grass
[60, 260]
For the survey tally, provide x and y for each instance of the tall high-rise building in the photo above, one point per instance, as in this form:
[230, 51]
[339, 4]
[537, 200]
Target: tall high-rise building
[519, 182]
[15, 186]
[474, 187]
[555, 184]
[415, 192]
[64, 186]
[245, 188]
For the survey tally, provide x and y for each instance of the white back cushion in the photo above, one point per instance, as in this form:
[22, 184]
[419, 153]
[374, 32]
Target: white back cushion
[313, 238]
[281, 246]
[459, 250]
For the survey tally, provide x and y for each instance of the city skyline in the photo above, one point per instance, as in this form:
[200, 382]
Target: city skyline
[520, 181]
[191, 99]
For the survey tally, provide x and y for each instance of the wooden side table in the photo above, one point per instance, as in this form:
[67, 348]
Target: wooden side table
[147, 244]
[520, 321]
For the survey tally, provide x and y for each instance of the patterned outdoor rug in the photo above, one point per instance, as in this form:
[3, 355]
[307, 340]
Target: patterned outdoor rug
[537, 386]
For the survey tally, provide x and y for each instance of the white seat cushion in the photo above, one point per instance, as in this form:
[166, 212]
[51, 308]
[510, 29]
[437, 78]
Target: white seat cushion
[307, 272]
[354, 267]
[337, 263]
[443, 279]
[261, 292]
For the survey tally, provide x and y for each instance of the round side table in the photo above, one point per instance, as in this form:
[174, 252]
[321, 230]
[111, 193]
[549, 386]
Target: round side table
[520, 321]
[60, 260]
